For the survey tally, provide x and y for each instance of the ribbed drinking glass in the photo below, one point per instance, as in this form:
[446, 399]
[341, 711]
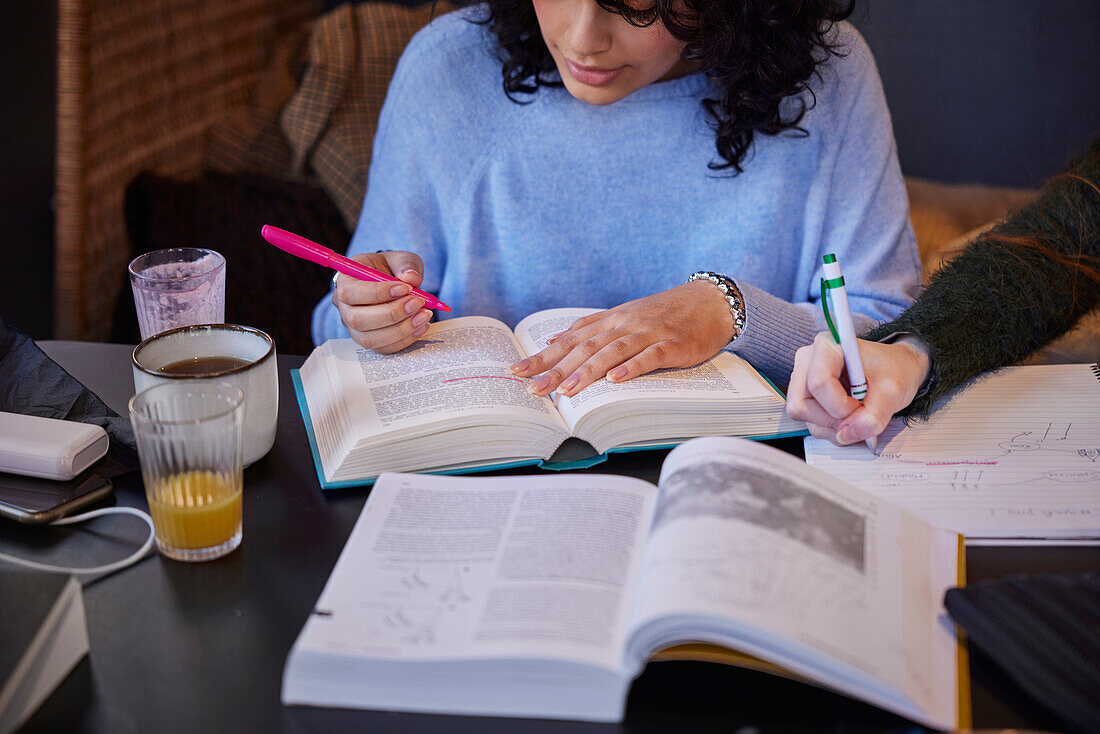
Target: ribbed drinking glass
[189, 443]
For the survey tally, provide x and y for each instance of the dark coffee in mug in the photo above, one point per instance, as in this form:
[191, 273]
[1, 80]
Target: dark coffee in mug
[240, 355]
[202, 365]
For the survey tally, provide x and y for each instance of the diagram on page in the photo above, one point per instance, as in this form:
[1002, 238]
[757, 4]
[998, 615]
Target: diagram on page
[414, 600]
[1015, 454]
[1047, 452]
[1028, 453]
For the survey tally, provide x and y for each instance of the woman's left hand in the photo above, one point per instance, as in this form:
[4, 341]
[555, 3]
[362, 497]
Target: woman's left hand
[680, 327]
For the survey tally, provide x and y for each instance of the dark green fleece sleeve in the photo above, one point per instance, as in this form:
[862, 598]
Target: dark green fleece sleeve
[1000, 300]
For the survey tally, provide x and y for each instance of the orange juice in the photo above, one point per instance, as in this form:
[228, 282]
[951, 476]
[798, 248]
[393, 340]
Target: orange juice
[195, 510]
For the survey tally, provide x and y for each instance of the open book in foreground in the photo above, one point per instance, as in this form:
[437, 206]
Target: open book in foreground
[544, 596]
[449, 404]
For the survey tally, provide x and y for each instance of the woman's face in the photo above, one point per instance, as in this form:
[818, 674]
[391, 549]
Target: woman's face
[601, 57]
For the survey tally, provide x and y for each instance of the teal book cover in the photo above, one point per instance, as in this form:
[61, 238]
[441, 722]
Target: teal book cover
[573, 454]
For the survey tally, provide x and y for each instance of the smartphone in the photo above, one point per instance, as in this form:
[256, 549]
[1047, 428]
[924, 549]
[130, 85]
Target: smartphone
[39, 501]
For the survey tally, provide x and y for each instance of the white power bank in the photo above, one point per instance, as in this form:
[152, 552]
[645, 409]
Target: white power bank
[47, 447]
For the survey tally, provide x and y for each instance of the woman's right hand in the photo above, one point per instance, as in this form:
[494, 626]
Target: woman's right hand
[383, 316]
[817, 396]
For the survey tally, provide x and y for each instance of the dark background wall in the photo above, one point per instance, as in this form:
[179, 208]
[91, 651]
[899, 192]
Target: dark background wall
[992, 91]
[27, 85]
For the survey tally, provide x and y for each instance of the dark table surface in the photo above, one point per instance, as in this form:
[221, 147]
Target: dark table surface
[177, 647]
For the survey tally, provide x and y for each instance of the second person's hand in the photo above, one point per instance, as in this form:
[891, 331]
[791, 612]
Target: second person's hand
[382, 316]
[817, 396]
[680, 327]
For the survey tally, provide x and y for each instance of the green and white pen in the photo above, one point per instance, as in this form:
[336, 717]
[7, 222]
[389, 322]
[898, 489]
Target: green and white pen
[842, 328]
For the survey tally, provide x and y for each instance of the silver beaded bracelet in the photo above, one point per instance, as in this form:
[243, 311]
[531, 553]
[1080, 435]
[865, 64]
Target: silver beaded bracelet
[731, 293]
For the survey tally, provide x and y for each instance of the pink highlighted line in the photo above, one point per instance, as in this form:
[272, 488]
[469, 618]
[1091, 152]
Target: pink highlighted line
[956, 463]
[485, 377]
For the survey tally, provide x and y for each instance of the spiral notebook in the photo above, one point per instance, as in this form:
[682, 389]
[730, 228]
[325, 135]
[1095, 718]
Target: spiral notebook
[1015, 454]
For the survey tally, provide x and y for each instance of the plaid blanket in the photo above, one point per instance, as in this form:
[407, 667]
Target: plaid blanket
[315, 107]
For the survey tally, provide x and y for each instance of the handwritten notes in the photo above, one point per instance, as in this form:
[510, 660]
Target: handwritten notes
[1014, 455]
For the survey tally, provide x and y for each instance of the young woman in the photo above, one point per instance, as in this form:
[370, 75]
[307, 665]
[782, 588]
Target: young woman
[630, 146]
[1014, 289]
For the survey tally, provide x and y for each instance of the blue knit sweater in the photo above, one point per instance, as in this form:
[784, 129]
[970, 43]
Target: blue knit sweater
[520, 207]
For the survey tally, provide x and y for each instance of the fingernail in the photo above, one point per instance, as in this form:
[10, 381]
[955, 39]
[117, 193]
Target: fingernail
[570, 383]
[399, 290]
[538, 385]
[617, 374]
[414, 305]
[421, 330]
[846, 435]
[421, 318]
[410, 272]
[520, 366]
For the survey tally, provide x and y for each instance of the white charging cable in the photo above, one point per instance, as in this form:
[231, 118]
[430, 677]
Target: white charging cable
[110, 567]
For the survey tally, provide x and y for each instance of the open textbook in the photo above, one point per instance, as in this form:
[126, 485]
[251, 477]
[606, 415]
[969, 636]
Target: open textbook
[1016, 454]
[449, 404]
[544, 596]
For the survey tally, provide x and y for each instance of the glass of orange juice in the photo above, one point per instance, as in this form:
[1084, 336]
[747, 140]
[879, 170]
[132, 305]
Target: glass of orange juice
[189, 443]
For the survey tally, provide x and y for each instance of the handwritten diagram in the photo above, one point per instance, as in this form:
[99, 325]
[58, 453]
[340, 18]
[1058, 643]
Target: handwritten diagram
[1049, 453]
[1014, 454]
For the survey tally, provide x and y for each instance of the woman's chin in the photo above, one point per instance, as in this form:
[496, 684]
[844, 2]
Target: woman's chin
[599, 96]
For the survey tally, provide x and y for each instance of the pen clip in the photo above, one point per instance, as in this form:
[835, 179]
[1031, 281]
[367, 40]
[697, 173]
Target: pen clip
[826, 286]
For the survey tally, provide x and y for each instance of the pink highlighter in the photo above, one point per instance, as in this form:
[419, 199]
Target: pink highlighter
[308, 250]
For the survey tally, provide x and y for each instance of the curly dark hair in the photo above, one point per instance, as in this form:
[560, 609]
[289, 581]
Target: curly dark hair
[757, 52]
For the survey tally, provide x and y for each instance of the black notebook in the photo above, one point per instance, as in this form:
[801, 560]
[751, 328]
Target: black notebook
[1044, 633]
[44, 637]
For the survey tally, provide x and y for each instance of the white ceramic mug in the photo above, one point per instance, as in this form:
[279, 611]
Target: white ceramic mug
[257, 376]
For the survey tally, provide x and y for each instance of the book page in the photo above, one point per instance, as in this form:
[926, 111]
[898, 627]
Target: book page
[802, 570]
[725, 375]
[453, 567]
[1015, 454]
[533, 331]
[457, 370]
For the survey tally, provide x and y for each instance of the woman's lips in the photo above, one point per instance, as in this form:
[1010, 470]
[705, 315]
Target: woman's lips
[592, 75]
